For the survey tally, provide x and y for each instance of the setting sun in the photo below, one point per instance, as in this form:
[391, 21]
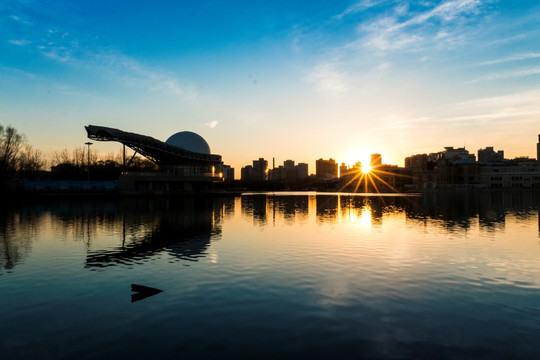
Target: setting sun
[361, 162]
[366, 168]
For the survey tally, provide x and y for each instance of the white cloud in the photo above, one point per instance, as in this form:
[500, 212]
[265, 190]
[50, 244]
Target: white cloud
[72, 50]
[402, 9]
[211, 124]
[507, 74]
[521, 107]
[20, 42]
[357, 7]
[390, 33]
[20, 19]
[449, 10]
[328, 81]
[520, 99]
[164, 84]
[59, 53]
[516, 57]
[385, 41]
[124, 69]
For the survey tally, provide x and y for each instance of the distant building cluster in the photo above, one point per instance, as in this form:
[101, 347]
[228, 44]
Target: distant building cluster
[457, 168]
[288, 172]
[452, 168]
[256, 172]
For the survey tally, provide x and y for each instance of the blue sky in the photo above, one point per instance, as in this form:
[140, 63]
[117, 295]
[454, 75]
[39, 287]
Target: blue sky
[291, 80]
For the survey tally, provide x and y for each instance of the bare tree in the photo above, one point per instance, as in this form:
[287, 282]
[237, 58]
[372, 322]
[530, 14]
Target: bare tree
[61, 157]
[11, 143]
[78, 157]
[30, 160]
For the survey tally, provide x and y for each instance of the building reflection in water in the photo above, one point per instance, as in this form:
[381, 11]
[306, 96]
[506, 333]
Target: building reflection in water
[140, 228]
[255, 206]
[327, 208]
[184, 228]
[454, 211]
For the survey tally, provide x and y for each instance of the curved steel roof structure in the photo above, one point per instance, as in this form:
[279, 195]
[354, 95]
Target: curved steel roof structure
[158, 151]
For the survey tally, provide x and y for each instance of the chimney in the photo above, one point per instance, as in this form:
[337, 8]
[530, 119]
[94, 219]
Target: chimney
[538, 150]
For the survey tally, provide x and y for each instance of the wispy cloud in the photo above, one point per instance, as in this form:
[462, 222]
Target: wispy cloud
[506, 39]
[211, 124]
[519, 107]
[76, 51]
[358, 7]
[132, 73]
[507, 74]
[328, 81]
[516, 57]
[166, 84]
[403, 29]
[447, 11]
[20, 42]
[492, 115]
[514, 108]
[520, 99]
[66, 49]
[21, 19]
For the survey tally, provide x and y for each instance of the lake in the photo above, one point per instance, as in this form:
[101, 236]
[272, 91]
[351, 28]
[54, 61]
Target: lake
[273, 275]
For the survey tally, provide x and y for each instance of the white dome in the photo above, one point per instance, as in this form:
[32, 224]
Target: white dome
[189, 141]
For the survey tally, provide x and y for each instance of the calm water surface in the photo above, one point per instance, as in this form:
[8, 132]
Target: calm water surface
[447, 276]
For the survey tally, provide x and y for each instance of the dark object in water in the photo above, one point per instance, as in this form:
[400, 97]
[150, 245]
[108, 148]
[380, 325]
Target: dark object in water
[142, 292]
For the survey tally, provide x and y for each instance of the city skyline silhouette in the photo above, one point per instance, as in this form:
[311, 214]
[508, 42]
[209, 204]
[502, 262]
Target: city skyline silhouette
[350, 78]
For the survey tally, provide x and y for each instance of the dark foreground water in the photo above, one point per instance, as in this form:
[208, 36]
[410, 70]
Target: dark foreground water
[448, 276]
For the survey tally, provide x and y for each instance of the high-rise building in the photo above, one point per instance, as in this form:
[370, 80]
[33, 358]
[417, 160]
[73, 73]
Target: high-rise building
[302, 171]
[290, 170]
[228, 173]
[488, 155]
[277, 173]
[376, 160]
[326, 169]
[452, 154]
[247, 173]
[287, 164]
[343, 169]
[260, 169]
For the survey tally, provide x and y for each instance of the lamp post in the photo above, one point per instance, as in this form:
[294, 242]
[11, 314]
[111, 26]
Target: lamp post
[88, 163]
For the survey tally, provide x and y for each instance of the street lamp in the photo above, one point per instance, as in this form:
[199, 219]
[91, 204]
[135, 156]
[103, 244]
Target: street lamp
[88, 163]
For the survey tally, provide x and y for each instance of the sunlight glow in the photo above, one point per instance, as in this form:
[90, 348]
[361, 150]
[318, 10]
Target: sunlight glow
[366, 168]
[365, 218]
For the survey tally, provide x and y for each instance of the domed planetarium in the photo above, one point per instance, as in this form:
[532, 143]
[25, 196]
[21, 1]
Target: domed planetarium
[189, 141]
[184, 158]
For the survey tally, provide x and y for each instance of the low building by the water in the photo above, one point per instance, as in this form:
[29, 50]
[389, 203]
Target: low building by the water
[184, 161]
[457, 169]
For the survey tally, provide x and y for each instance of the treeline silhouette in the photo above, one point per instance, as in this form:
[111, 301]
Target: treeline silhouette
[75, 166]
[20, 161]
[17, 157]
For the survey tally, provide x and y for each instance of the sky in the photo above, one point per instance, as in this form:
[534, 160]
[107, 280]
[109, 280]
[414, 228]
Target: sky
[298, 80]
